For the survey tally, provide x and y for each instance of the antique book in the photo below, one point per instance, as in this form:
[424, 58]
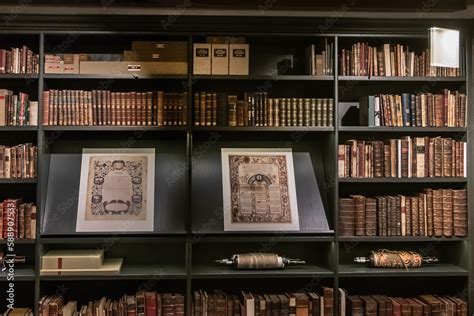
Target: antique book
[370, 217]
[460, 221]
[447, 212]
[346, 217]
[354, 306]
[370, 305]
[72, 259]
[360, 216]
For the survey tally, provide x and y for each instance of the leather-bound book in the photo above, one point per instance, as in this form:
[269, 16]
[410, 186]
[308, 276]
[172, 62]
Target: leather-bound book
[232, 110]
[378, 161]
[421, 213]
[382, 215]
[328, 295]
[447, 212]
[262, 305]
[302, 304]
[370, 305]
[361, 159]
[405, 306]
[404, 163]
[150, 303]
[439, 110]
[229, 305]
[319, 112]
[282, 111]
[416, 308]
[433, 302]
[341, 161]
[438, 157]
[315, 304]
[256, 305]
[420, 156]
[275, 301]
[461, 306]
[429, 212]
[211, 305]
[415, 229]
[354, 306]
[396, 306]
[391, 216]
[447, 157]
[268, 304]
[149, 108]
[131, 305]
[240, 112]
[408, 227]
[221, 305]
[443, 306]
[382, 302]
[313, 118]
[161, 107]
[284, 305]
[398, 215]
[438, 213]
[222, 109]
[370, 217]
[359, 202]
[460, 213]
[426, 310]
[202, 111]
[353, 158]
[291, 304]
[214, 109]
[346, 217]
[178, 304]
[140, 298]
[386, 161]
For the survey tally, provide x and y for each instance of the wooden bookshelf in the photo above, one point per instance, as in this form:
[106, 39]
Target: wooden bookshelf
[183, 247]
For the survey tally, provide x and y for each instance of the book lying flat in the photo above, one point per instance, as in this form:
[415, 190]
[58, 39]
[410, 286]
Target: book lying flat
[110, 266]
[73, 259]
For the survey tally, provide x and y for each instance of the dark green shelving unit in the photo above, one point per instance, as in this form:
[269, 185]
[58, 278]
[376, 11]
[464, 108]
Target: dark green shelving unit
[183, 259]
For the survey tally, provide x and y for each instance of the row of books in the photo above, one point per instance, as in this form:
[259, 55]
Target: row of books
[320, 64]
[320, 302]
[143, 303]
[250, 304]
[257, 109]
[374, 305]
[104, 107]
[390, 60]
[17, 219]
[19, 161]
[423, 110]
[17, 110]
[433, 212]
[408, 157]
[18, 61]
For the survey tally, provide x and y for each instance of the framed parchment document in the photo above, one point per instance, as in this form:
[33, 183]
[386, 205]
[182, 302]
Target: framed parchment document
[259, 190]
[116, 192]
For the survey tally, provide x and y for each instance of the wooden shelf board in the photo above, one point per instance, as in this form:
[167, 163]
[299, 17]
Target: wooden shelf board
[351, 270]
[128, 272]
[217, 272]
[400, 78]
[264, 77]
